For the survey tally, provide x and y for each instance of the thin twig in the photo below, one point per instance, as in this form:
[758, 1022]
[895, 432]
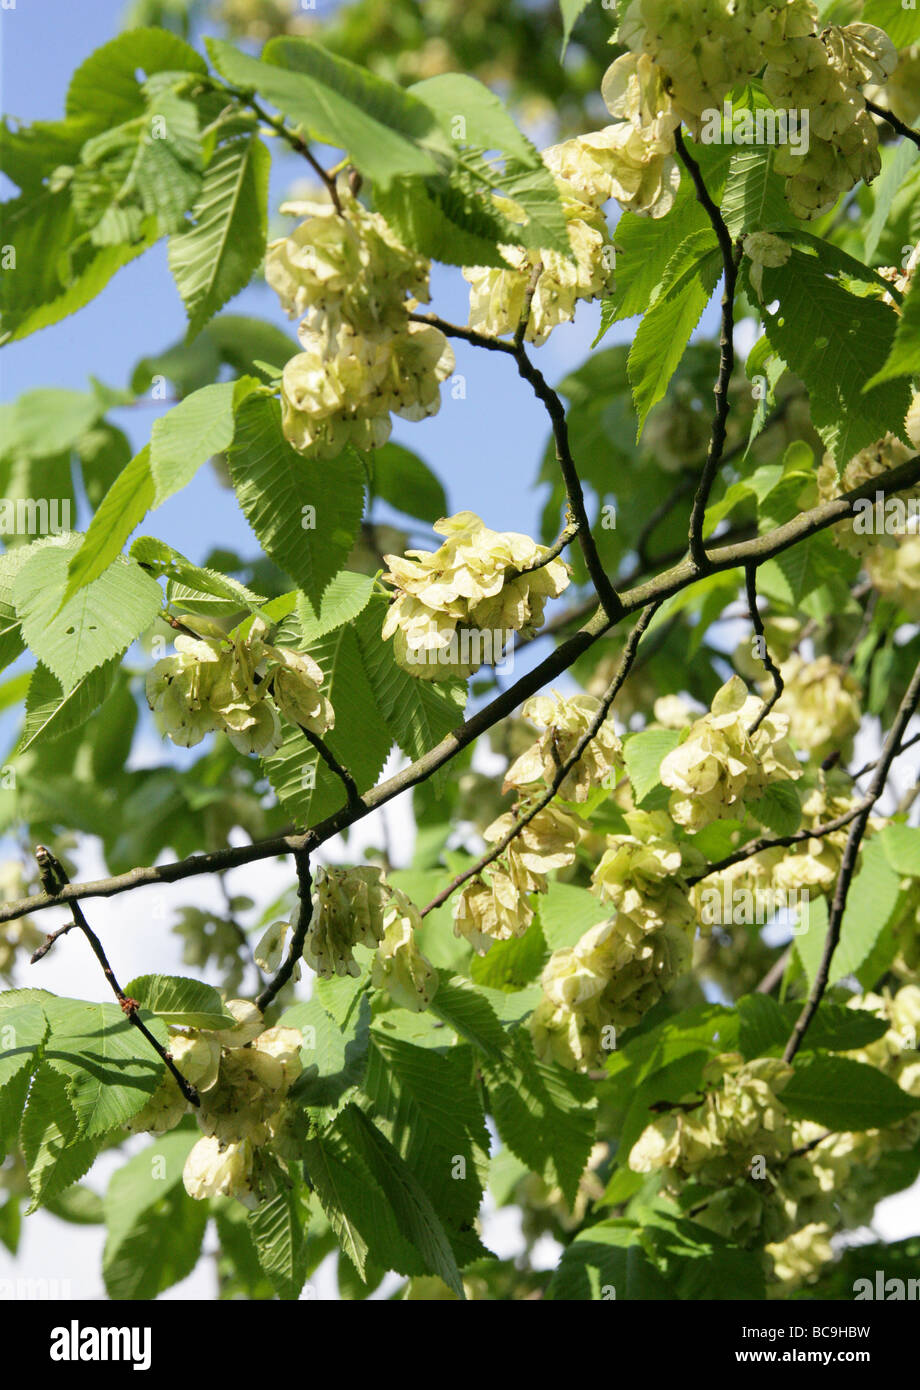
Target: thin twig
[54, 877]
[610, 600]
[848, 864]
[563, 766]
[296, 142]
[295, 951]
[750, 580]
[731, 260]
[895, 122]
[333, 764]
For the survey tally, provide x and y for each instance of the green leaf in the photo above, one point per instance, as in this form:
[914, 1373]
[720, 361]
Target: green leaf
[899, 19]
[897, 161]
[56, 1150]
[383, 129]
[354, 1202]
[110, 1067]
[188, 435]
[57, 269]
[836, 342]
[466, 1010]
[486, 123]
[154, 1229]
[543, 1113]
[278, 1231]
[608, 1261]
[50, 713]
[167, 167]
[22, 1031]
[411, 1205]
[346, 596]
[766, 1025]
[304, 513]
[513, 964]
[334, 1056]
[123, 508]
[566, 912]
[904, 358]
[901, 846]
[779, 809]
[871, 901]
[643, 755]
[754, 195]
[645, 245]
[419, 713]
[195, 589]
[75, 636]
[571, 10]
[215, 259]
[433, 1116]
[47, 421]
[105, 90]
[845, 1095]
[180, 1002]
[689, 281]
[401, 478]
[700, 1264]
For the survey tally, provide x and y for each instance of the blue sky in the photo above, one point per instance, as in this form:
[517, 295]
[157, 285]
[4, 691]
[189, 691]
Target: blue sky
[486, 448]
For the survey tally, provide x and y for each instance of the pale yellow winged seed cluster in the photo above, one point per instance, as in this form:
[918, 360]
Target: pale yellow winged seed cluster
[635, 957]
[494, 905]
[242, 1075]
[740, 1117]
[800, 1258]
[498, 298]
[619, 969]
[720, 764]
[871, 462]
[633, 159]
[763, 250]
[812, 1183]
[565, 722]
[455, 607]
[703, 48]
[399, 966]
[604, 984]
[826, 73]
[743, 894]
[890, 552]
[353, 283]
[348, 911]
[643, 874]
[813, 865]
[237, 687]
[821, 700]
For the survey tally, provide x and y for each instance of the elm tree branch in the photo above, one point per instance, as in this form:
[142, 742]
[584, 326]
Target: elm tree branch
[563, 766]
[54, 876]
[848, 863]
[895, 122]
[673, 581]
